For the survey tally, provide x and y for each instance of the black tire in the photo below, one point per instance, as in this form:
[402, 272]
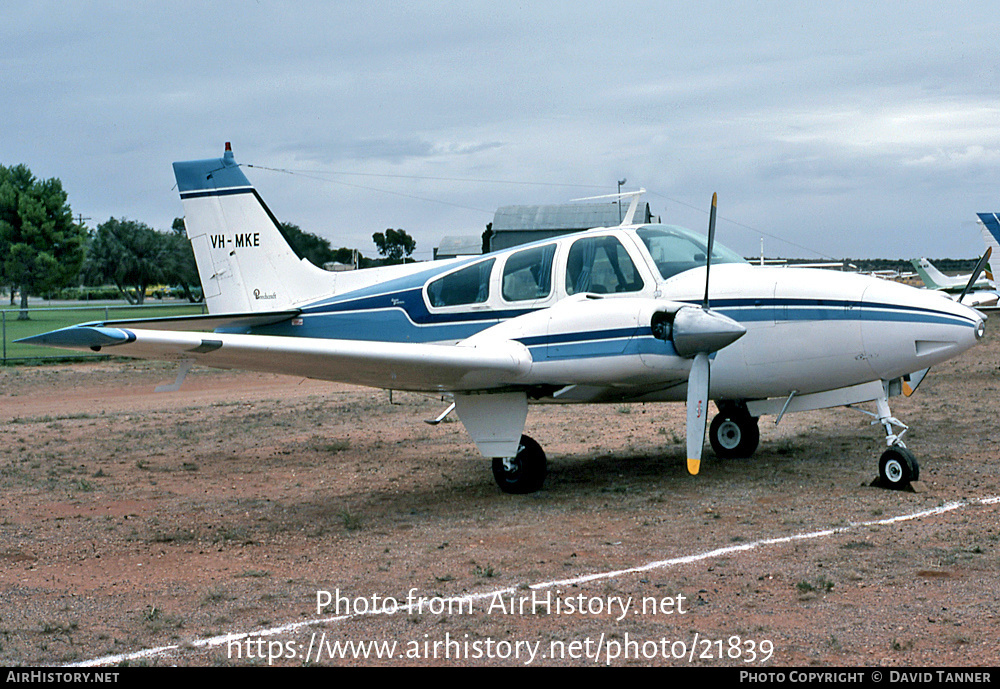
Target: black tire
[734, 434]
[897, 468]
[523, 473]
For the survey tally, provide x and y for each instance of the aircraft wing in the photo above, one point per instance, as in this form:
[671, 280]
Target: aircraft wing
[486, 365]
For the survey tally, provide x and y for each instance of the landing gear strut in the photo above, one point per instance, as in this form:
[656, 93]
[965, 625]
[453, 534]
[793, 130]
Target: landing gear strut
[734, 433]
[897, 467]
[522, 473]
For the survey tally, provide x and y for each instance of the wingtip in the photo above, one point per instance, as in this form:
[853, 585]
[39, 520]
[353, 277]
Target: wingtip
[80, 337]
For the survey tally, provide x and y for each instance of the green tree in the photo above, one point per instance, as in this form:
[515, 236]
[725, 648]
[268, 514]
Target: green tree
[347, 256]
[180, 267]
[307, 245]
[41, 248]
[129, 254]
[395, 245]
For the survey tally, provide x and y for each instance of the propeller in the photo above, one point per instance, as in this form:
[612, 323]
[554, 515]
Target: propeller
[975, 273]
[697, 333]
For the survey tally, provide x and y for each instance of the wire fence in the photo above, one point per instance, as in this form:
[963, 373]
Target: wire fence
[42, 319]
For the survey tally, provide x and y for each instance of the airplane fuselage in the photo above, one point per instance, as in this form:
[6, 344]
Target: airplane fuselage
[807, 330]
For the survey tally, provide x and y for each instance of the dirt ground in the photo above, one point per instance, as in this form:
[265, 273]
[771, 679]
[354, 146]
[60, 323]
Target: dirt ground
[132, 521]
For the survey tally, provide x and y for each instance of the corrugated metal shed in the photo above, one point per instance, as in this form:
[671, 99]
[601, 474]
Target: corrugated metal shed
[514, 225]
[453, 247]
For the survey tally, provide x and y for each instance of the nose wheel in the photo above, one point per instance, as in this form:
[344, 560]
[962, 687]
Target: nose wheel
[897, 468]
[522, 473]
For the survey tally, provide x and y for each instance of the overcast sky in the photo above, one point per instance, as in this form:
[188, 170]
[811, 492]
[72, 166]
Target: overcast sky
[849, 129]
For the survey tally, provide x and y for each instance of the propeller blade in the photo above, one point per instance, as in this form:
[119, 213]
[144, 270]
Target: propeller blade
[697, 411]
[975, 273]
[911, 381]
[711, 245]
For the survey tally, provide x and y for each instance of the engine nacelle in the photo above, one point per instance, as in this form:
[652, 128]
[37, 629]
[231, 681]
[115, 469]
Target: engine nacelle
[586, 340]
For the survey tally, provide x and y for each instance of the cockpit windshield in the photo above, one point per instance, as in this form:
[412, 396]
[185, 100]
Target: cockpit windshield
[675, 249]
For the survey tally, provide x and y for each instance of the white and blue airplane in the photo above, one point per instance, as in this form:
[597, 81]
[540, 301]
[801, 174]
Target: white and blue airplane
[989, 226]
[612, 315]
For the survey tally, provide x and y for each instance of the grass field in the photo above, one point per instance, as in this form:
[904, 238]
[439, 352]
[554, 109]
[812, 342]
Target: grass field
[44, 319]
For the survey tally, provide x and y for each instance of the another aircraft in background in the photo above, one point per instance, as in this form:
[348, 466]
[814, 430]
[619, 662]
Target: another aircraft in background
[610, 315]
[982, 294]
[989, 226]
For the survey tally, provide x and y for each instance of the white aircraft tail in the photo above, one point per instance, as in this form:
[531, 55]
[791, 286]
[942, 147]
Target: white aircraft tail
[244, 262]
[931, 276]
[990, 227]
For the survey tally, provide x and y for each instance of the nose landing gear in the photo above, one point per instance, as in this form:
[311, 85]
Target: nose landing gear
[897, 467]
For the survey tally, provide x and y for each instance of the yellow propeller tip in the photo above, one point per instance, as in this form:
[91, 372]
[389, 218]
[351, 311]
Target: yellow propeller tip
[693, 466]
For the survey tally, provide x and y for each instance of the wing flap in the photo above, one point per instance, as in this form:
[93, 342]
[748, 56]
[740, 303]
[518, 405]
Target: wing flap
[399, 366]
[207, 322]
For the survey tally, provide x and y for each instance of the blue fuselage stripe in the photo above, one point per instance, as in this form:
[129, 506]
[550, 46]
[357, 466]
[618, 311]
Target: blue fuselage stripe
[401, 315]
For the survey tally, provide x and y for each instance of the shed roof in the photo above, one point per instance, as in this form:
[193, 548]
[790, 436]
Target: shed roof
[466, 245]
[579, 216]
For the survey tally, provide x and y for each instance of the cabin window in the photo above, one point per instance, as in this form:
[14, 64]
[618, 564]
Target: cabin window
[600, 265]
[527, 275]
[469, 285]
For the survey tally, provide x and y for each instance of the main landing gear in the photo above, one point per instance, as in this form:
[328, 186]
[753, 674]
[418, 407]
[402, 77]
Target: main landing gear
[522, 473]
[734, 433]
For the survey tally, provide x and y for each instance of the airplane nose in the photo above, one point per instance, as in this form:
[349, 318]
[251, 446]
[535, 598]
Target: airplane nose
[978, 320]
[907, 329]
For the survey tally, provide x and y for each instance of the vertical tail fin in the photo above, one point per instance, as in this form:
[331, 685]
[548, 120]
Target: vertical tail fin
[932, 277]
[244, 262]
[990, 227]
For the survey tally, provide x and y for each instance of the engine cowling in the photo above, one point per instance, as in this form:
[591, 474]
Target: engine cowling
[614, 341]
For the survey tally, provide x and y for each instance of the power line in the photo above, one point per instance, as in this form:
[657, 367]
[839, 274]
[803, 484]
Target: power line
[472, 180]
[745, 226]
[366, 188]
[321, 176]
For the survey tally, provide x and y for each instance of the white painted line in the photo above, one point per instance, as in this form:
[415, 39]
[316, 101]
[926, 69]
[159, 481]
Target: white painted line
[214, 641]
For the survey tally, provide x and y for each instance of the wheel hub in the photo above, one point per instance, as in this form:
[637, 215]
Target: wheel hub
[894, 471]
[729, 435]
